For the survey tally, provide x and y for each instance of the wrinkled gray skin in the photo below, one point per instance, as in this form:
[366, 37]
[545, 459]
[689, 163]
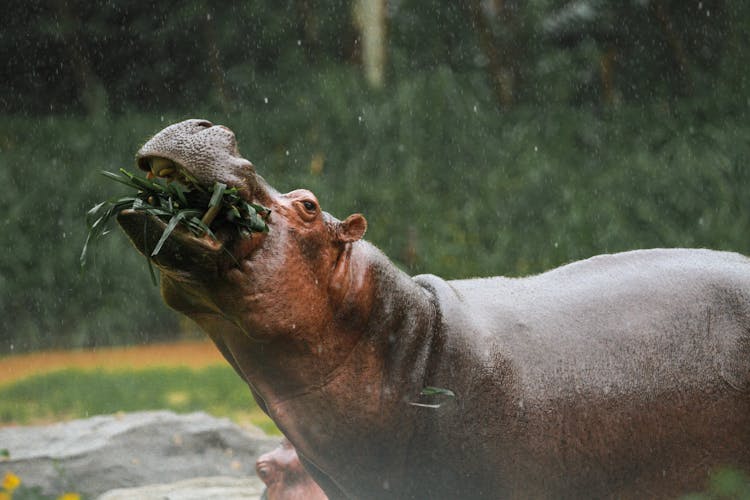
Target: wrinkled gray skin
[623, 376]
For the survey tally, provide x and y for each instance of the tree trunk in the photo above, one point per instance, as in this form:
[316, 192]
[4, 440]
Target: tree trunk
[370, 19]
[501, 66]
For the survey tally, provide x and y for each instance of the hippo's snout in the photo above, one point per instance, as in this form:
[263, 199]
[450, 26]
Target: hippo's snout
[197, 152]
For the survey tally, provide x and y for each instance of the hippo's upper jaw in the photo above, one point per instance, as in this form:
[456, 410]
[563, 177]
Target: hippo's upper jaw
[197, 151]
[194, 152]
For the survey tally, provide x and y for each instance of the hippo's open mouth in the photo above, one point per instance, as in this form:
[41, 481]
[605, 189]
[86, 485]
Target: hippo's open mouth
[199, 156]
[164, 168]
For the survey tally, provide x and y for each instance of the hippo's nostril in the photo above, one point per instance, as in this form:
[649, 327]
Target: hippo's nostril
[204, 124]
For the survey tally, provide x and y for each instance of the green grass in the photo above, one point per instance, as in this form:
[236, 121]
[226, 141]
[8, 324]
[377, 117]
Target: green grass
[75, 393]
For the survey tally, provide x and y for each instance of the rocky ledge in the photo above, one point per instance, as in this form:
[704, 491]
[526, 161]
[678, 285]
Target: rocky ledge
[200, 455]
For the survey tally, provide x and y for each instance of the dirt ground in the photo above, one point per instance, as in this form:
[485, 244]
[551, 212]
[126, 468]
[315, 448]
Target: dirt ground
[194, 354]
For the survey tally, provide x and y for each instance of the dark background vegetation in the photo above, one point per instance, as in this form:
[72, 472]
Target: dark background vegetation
[506, 137]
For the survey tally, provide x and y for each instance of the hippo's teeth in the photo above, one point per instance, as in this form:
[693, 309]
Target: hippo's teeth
[161, 166]
[165, 172]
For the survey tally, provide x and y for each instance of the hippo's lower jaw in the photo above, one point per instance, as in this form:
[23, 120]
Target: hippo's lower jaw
[182, 251]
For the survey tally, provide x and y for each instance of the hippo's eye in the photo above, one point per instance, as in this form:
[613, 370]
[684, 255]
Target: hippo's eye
[309, 205]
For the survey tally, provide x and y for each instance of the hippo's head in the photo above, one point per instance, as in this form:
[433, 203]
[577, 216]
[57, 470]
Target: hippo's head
[284, 476]
[266, 284]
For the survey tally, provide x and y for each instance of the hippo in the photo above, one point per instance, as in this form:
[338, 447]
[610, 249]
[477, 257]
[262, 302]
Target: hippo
[619, 376]
[285, 477]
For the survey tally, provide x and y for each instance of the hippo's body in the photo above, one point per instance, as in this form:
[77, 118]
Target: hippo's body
[566, 386]
[624, 375]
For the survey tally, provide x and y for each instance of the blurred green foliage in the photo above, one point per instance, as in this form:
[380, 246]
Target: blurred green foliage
[651, 152]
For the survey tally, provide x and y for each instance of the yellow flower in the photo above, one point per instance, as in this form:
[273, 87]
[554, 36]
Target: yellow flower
[69, 496]
[11, 482]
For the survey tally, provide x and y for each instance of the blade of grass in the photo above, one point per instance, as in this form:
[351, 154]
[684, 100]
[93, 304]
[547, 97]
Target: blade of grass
[167, 231]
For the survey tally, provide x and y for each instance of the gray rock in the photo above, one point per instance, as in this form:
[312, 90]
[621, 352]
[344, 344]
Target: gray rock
[201, 488]
[102, 453]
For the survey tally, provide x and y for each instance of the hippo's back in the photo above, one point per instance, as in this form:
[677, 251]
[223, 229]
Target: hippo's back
[647, 317]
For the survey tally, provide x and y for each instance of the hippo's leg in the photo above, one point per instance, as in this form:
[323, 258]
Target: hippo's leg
[329, 487]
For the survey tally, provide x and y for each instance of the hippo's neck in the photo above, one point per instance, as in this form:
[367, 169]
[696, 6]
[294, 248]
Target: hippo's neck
[371, 388]
[380, 332]
[400, 327]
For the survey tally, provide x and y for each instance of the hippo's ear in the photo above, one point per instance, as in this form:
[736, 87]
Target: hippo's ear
[352, 229]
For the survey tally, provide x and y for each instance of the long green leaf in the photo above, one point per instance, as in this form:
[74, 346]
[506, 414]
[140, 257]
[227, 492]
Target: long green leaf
[167, 231]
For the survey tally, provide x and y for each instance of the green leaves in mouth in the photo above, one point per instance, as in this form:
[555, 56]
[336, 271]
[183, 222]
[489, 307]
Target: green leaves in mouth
[191, 206]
